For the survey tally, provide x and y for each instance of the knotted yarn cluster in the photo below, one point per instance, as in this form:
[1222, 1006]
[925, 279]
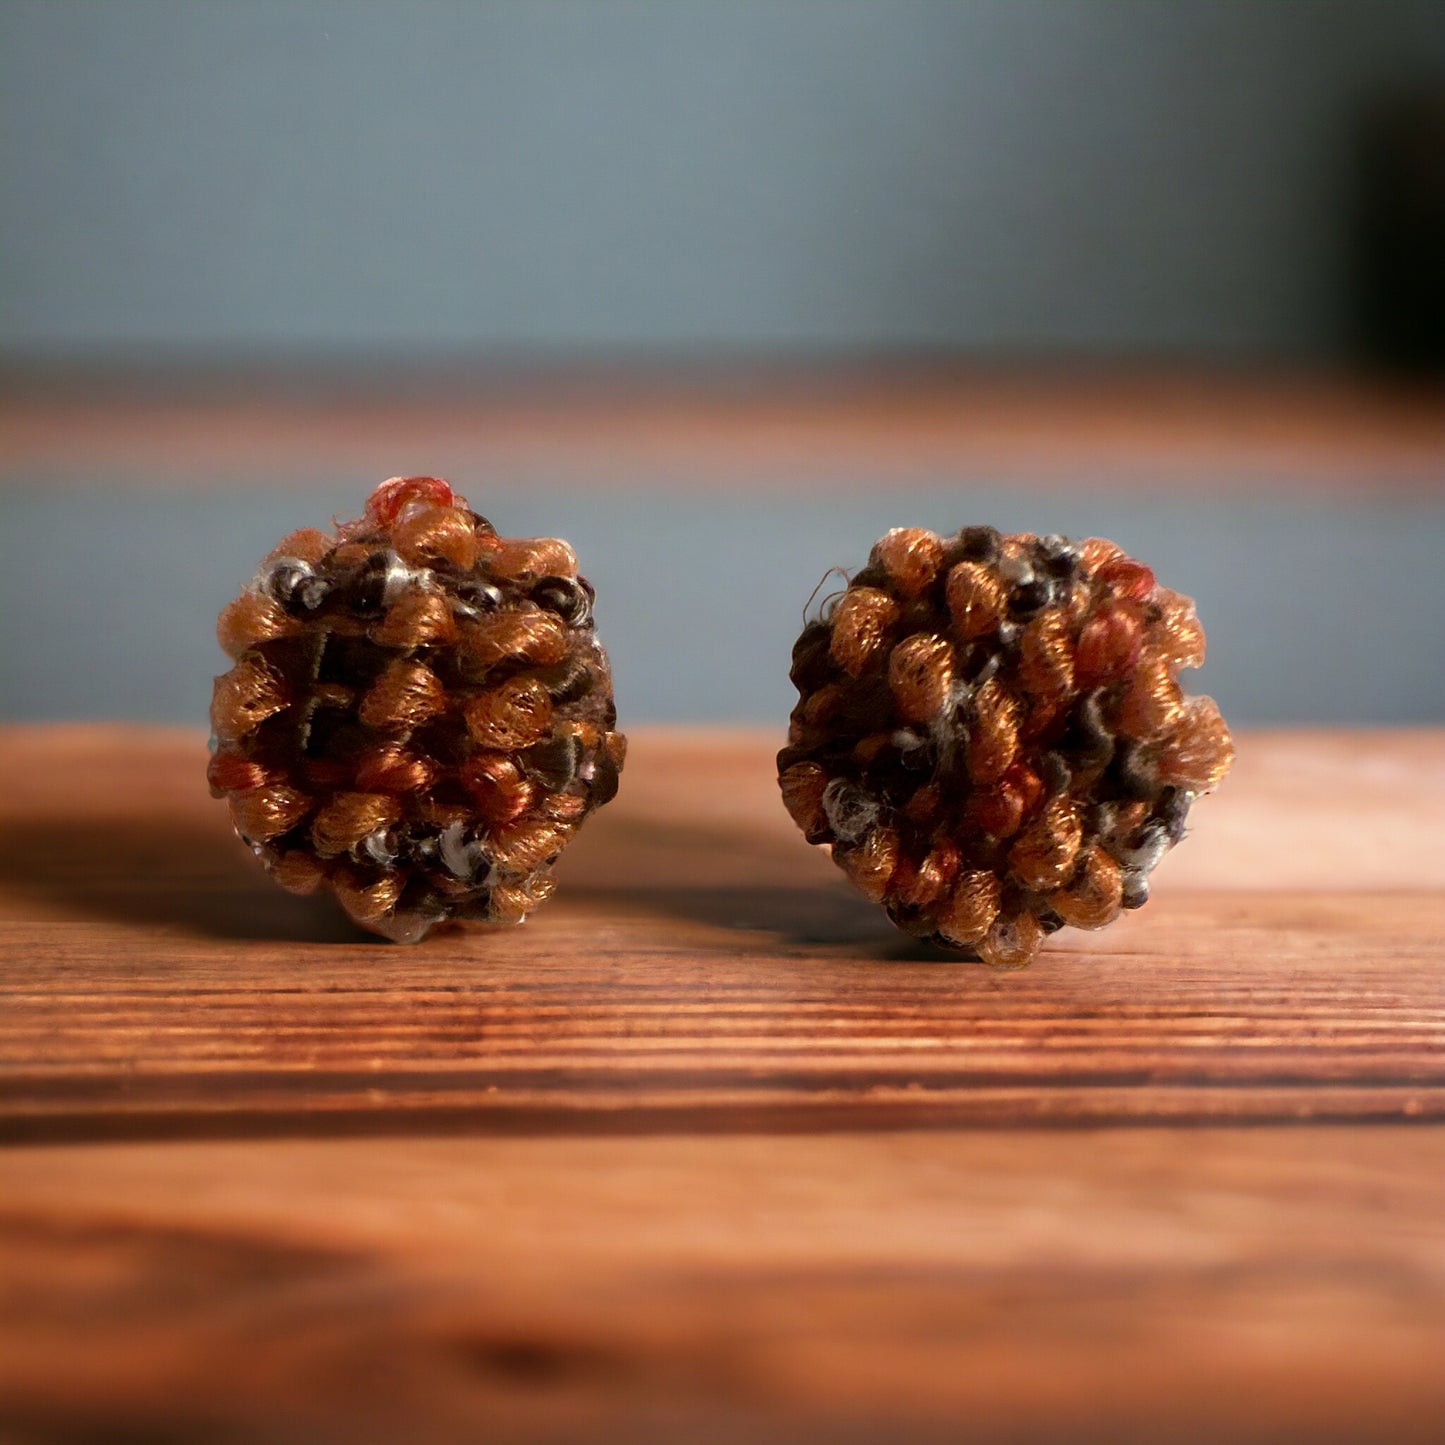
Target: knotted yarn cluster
[991, 735]
[419, 716]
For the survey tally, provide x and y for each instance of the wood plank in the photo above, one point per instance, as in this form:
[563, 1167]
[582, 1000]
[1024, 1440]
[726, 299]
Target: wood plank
[684, 1157]
[681, 426]
[702, 968]
[1140, 1284]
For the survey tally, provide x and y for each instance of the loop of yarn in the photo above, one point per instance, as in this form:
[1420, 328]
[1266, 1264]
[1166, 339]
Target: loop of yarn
[991, 737]
[419, 716]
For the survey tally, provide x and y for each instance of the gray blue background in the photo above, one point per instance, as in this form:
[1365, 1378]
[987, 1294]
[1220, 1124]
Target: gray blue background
[108, 598]
[382, 177]
[344, 183]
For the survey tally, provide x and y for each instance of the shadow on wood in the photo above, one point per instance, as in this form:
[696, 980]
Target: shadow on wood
[171, 873]
[178, 874]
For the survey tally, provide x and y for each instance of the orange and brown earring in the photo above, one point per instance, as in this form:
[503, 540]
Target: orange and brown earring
[991, 736]
[420, 715]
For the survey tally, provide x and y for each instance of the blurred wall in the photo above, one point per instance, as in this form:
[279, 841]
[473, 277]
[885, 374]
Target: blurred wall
[341, 176]
[109, 593]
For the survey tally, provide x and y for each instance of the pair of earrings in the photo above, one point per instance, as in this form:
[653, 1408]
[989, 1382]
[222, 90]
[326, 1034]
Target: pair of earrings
[990, 732]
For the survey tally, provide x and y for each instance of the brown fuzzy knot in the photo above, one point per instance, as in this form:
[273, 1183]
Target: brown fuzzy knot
[419, 716]
[991, 736]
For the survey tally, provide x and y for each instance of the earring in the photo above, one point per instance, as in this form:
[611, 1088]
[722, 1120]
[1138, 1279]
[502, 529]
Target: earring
[991, 735]
[419, 716]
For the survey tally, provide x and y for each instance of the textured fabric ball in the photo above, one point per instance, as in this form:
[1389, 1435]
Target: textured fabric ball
[991, 736]
[420, 714]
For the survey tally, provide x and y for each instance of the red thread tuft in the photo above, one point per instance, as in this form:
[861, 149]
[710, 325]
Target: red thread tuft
[387, 501]
[1127, 578]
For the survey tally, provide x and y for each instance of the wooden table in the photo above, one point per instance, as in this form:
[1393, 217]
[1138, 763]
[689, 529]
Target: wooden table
[704, 1152]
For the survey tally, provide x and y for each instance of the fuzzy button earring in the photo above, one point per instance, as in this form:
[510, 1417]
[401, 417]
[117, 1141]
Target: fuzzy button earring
[419, 716]
[991, 736]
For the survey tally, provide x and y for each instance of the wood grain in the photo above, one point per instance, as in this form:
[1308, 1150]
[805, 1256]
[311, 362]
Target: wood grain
[1091, 1286]
[702, 964]
[682, 426]
[705, 1152]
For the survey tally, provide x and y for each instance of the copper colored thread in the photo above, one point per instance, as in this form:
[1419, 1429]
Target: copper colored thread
[306, 544]
[1154, 701]
[351, 554]
[1074, 603]
[267, 812]
[541, 888]
[406, 695]
[250, 619]
[868, 748]
[1011, 941]
[1092, 898]
[586, 733]
[1026, 783]
[418, 619]
[531, 557]
[515, 714]
[436, 707]
[1015, 548]
[1096, 552]
[232, 773]
[299, 871]
[511, 903]
[367, 902]
[528, 634]
[933, 878]
[911, 556]
[1181, 638]
[1128, 817]
[245, 697]
[1108, 646]
[972, 908]
[993, 736]
[872, 863]
[1200, 750]
[455, 889]
[920, 675]
[975, 600]
[348, 817]
[563, 807]
[392, 769]
[1046, 657]
[802, 787]
[496, 784]
[436, 534]
[862, 621]
[900, 887]
[440, 813]
[1044, 854]
[522, 846]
